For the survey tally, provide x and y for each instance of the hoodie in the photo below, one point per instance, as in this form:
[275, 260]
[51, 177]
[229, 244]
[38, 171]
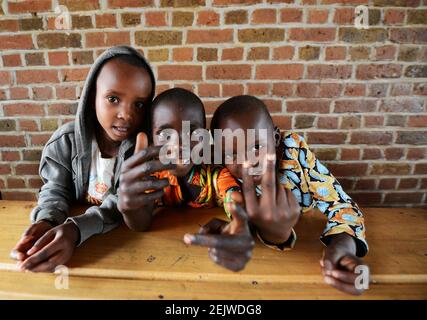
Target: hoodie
[66, 159]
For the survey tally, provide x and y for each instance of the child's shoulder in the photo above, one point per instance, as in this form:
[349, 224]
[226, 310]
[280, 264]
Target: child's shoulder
[291, 139]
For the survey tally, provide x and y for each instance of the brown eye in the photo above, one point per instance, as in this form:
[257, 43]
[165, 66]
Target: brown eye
[113, 99]
[139, 105]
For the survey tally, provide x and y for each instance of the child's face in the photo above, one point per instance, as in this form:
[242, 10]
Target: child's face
[167, 115]
[261, 146]
[122, 94]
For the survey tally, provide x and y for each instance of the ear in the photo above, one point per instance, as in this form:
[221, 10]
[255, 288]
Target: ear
[277, 136]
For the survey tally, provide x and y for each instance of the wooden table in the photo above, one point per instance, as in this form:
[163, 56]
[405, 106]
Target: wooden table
[158, 265]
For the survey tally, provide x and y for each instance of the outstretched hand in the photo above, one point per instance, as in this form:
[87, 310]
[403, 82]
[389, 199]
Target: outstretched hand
[230, 244]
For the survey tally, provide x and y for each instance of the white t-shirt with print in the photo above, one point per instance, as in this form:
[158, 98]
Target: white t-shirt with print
[101, 176]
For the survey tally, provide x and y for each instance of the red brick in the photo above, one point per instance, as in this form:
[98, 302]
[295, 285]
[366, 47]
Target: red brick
[394, 16]
[12, 60]
[420, 168]
[5, 169]
[308, 106]
[417, 121]
[19, 195]
[230, 90]
[155, 19]
[207, 18]
[5, 78]
[329, 71]
[28, 125]
[228, 72]
[355, 90]
[208, 90]
[385, 53]
[232, 54]
[335, 53]
[283, 53]
[66, 92]
[9, 25]
[12, 141]
[74, 74]
[403, 197]
[365, 185]
[283, 122]
[387, 184]
[273, 105]
[36, 76]
[283, 89]
[373, 121]
[326, 137]
[62, 109]
[375, 71]
[327, 123]
[318, 15]
[417, 153]
[10, 156]
[80, 5]
[348, 169]
[39, 139]
[371, 138]
[15, 183]
[16, 42]
[367, 198]
[105, 20]
[355, 106]
[279, 71]
[261, 16]
[256, 89]
[290, 15]
[350, 154]
[179, 72]
[27, 109]
[107, 39]
[42, 93]
[115, 4]
[344, 16]
[29, 6]
[312, 34]
[58, 58]
[393, 153]
[210, 36]
[182, 54]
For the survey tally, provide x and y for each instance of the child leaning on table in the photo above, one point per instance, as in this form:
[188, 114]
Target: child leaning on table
[147, 183]
[81, 161]
[270, 199]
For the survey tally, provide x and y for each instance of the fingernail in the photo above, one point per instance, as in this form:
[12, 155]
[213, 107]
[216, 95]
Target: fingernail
[188, 238]
[31, 251]
[335, 274]
[328, 280]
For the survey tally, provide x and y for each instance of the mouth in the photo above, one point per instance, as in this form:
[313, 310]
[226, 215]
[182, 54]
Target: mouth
[121, 131]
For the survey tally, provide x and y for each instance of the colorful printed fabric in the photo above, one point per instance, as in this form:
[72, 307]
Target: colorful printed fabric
[216, 184]
[314, 186]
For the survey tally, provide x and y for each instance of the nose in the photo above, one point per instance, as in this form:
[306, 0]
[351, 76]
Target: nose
[126, 112]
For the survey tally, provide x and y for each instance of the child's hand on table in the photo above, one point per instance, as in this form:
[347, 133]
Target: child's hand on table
[137, 187]
[276, 211]
[30, 236]
[339, 263]
[230, 244]
[54, 248]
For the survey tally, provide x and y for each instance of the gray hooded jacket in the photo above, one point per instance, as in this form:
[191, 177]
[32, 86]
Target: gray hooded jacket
[65, 165]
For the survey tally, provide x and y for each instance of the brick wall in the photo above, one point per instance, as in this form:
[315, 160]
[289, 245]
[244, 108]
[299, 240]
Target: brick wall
[357, 95]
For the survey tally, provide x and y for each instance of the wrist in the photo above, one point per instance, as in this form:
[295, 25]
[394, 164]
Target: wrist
[275, 238]
[344, 241]
[74, 232]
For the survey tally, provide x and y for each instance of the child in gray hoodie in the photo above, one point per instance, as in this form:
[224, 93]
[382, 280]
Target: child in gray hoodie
[82, 160]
